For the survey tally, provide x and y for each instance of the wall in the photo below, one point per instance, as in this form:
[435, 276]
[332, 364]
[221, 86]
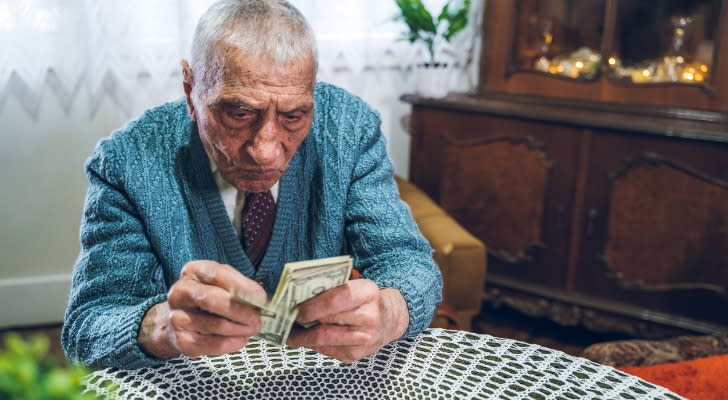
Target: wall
[42, 181]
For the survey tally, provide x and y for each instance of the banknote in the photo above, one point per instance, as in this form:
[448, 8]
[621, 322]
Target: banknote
[305, 279]
[241, 298]
[299, 282]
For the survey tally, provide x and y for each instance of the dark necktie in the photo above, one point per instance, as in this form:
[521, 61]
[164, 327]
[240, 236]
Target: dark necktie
[258, 215]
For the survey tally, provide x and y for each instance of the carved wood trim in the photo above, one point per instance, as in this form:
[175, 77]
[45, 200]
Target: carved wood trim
[533, 146]
[508, 258]
[568, 310]
[616, 276]
[531, 143]
[654, 160]
[566, 314]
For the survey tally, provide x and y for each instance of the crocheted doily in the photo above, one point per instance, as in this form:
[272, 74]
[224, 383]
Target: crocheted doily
[439, 364]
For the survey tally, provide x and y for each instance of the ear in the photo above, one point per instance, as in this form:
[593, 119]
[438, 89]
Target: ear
[187, 82]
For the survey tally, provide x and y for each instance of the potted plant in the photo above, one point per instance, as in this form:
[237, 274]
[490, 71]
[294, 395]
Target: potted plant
[433, 32]
[28, 373]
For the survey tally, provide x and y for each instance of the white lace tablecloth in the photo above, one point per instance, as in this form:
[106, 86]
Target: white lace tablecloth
[439, 364]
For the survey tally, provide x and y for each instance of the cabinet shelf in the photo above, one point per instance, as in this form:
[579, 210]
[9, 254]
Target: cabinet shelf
[671, 122]
[665, 53]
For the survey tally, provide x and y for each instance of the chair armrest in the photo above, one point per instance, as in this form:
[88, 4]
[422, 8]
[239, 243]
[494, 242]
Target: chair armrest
[460, 255]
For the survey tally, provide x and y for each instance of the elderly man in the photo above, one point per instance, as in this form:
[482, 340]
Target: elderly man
[165, 237]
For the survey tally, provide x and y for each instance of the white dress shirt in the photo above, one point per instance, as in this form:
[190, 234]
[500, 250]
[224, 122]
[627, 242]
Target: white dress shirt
[233, 199]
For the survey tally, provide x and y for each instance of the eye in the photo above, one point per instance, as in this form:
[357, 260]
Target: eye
[238, 113]
[294, 119]
[291, 117]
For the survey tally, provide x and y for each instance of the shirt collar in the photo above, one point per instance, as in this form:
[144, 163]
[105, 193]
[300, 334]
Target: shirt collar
[213, 165]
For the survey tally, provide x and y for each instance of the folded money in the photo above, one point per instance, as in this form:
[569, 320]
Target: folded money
[299, 282]
[241, 298]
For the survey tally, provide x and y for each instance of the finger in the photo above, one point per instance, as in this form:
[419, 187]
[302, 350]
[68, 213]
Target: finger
[366, 315]
[223, 276]
[208, 324]
[194, 344]
[347, 297]
[342, 343]
[189, 294]
[331, 336]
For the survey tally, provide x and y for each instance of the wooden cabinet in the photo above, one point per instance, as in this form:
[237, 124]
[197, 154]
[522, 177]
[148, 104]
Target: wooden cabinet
[655, 226]
[617, 222]
[592, 159]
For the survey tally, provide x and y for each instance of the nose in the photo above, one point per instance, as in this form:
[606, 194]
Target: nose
[264, 148]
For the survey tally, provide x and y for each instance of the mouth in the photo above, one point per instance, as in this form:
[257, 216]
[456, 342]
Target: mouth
[260, 174]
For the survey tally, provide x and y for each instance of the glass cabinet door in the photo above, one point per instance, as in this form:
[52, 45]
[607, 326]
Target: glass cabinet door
[635, 53]
[559, 37]
[664, 41]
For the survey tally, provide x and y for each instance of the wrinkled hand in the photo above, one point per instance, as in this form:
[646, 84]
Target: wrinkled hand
[355, 320]
[199, 316]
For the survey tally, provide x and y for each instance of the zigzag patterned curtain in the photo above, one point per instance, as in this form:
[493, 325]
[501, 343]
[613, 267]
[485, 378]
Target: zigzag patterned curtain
[130, 50]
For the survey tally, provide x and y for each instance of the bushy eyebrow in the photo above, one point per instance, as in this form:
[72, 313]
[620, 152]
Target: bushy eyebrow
[234, 105]
[302, 109]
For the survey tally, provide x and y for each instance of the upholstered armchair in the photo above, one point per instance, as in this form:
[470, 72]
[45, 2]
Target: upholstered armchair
[460, 256]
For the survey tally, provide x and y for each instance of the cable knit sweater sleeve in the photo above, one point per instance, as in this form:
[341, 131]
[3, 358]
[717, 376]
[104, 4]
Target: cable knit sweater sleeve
[386, 243]
[116, 278]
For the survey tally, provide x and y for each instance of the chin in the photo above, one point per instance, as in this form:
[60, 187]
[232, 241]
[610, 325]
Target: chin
[255, 186]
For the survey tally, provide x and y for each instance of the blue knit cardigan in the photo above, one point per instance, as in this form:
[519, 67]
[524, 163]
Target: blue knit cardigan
[152, 206]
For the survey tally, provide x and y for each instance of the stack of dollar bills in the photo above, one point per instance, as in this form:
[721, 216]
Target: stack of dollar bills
[299, 282]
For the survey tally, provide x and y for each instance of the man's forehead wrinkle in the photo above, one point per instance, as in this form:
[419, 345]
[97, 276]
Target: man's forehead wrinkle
[239, 74]
[235, 60]
[258, 95]
[258, 81]
[262, 86]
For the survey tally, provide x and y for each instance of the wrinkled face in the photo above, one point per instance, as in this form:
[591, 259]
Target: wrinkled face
[252, 114]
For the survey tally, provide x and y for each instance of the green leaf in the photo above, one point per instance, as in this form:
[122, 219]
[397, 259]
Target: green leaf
[59, 384]
[444, 14]
[415, 15]
[39, 347]
[15, 345]
[28, 373]
[458, 21]
[425, 29]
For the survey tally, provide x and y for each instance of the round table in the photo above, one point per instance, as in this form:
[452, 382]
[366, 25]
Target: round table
[438, 364]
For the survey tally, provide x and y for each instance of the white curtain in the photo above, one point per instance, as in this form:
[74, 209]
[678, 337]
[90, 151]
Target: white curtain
[129, 50]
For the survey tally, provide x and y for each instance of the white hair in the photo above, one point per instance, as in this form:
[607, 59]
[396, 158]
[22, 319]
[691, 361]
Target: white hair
[273, 28]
